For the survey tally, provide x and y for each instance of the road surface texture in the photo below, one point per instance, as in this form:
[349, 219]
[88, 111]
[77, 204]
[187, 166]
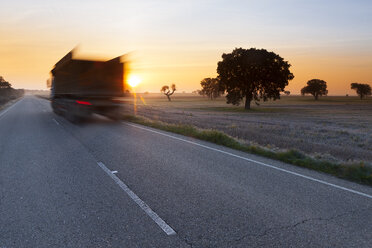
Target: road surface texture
[117, 184]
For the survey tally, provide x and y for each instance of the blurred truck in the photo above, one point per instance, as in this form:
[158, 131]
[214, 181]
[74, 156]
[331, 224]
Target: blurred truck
[81, 87]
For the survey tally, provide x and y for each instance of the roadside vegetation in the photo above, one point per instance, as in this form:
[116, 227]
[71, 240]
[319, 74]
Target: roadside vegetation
[334, 127]
[7, 93]
[358, 172]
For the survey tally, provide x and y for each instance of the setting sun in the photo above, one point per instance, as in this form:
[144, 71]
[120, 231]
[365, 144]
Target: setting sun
[134, 80]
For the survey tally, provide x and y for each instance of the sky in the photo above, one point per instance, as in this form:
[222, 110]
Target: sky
[181, 42]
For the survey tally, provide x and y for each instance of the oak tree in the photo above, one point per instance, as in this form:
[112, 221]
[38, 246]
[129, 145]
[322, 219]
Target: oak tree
[252, 74]
[362, 90]
[315, 87]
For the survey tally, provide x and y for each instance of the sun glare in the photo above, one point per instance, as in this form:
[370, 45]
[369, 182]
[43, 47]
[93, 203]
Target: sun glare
[134, 80]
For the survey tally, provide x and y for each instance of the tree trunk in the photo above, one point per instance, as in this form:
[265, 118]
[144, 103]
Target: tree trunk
[316, 96]
[168, 97]
[361, 96]
[248, 103]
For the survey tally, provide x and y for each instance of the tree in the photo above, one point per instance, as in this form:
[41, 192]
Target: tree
[252, 74]
[211, 88]
[7, 93]
[287, 92]
[362, 90]
[4, 84]
[315, 87]
[168, 91]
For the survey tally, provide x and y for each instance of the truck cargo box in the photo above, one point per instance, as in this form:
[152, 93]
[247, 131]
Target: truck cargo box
[88, 78]
[81, 88]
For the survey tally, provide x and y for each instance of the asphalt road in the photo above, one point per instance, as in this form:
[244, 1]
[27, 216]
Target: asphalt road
[116, 184]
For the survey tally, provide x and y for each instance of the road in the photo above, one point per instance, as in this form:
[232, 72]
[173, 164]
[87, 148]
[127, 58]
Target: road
[117, 184]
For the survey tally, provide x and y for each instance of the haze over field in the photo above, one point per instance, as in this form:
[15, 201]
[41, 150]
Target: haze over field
[182, 41]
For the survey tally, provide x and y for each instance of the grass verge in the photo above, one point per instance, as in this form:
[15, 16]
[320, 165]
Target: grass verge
[4, 105]
[357, 172]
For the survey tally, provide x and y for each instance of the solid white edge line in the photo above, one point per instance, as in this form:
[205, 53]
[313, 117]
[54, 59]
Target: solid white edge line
[56, 121]
[254, 161]
[161, 223]
[9, 108]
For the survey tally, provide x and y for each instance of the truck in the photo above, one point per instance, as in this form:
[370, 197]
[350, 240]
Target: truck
[82, 87]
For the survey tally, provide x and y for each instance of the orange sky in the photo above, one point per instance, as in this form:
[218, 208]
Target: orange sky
[182, 42]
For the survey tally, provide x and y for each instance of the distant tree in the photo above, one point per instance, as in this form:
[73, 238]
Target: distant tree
[7, 93]
[315, 87]
[211, 87]
[362, 90]
[287, 92]
[252, 74]
[4, 84]
[168, 91]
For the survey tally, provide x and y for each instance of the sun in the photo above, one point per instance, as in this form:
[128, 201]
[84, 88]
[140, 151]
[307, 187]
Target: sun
[134, 80]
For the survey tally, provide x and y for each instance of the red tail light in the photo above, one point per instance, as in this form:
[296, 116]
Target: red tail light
[83, 102]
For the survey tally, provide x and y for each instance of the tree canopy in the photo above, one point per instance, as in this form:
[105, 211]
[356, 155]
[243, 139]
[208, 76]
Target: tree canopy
[210, 88]
[7, 93]
[315, 87]
[362, 90]
[168, 91]
[4, 84]
[252, 74]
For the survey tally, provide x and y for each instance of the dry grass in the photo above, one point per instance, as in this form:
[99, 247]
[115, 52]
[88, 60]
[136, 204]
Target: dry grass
[333, 128]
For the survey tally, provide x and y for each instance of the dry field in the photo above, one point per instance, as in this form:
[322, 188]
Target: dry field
[334, 127]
